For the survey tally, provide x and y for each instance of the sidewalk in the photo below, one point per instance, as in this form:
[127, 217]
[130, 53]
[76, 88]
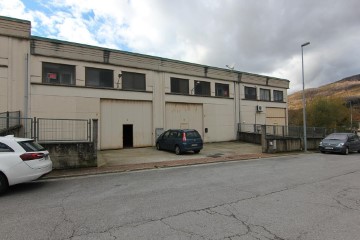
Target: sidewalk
[132, 159]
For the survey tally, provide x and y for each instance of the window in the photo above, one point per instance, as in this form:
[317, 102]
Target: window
[221, 90]
[58, 74]
[5, 148]
[278, 96]
[179, 85]
[96, 77]
[202, 88]
[133, 81]
[265, 94]
[250, 93]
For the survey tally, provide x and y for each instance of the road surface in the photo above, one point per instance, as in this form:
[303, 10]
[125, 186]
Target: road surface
[306, 196]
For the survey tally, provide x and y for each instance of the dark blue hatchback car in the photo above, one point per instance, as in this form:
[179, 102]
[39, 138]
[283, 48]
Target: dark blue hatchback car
[180, 140]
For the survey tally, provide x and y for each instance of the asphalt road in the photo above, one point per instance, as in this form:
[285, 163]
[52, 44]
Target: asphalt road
[307, 196]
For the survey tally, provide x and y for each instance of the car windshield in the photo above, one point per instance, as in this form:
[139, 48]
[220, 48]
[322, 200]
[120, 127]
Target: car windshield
[337, 137]
[31, 146]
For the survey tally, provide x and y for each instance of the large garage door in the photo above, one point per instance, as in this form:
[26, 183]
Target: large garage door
[125, 124]
[276, 116]
[184, 115]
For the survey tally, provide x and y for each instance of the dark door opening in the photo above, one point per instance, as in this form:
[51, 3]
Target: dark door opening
[128, 136]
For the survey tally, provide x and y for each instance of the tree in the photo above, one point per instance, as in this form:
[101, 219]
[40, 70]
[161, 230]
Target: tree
[327, 112]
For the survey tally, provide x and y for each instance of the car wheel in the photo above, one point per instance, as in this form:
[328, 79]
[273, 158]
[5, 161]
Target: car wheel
[346, 151]
[158, 146]
[196, 151]
[177, 150]
[322, 151]
[3, 183]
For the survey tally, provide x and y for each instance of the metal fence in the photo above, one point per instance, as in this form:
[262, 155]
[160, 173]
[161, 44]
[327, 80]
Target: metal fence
[63, 130]
[9, 120]
[286, 131]
[45, 129]
[12, 124]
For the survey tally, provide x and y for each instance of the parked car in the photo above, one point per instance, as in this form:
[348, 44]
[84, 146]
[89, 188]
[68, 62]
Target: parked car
[21, 160]
[180, 140]
[340, 143]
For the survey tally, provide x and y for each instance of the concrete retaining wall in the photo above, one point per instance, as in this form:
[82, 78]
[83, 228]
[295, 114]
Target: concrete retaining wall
[250, 137]
[273, 145]
[72, 155]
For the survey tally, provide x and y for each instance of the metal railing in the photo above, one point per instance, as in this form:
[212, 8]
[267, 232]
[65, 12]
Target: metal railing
[9, 120]
[286, 131]
[45, 129]
[62, 130]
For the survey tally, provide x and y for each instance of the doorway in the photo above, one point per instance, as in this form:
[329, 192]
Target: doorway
[128, 136]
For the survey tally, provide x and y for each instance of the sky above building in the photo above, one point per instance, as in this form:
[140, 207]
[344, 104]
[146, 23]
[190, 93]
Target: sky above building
[262, 37]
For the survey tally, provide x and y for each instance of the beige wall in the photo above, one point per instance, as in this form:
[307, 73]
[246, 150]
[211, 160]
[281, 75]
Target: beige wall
[116, 113]
[147, 110]
[184, 116]
[13, 78]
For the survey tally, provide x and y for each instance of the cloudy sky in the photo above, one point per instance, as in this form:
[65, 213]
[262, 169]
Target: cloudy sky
[257, 36]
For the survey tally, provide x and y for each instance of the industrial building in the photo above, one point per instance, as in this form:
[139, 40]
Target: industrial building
[133, 96]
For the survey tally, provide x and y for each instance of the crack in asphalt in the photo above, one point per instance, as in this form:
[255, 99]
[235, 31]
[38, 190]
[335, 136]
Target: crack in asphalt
[343, 196]
[254, 230]
[65, 218]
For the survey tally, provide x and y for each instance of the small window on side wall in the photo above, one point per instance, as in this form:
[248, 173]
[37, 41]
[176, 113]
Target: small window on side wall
[250, 93]
[96, 77]
[202, 88]
[278, 96]
[265, 94]
[221, 90]
[58, 73]
[133, 81]
[179, 85]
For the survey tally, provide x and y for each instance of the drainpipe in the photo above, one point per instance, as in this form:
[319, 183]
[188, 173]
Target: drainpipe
[27, 87]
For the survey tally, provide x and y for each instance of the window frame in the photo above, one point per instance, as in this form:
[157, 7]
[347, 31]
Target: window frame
[101, 79]
[58, 70]
[219, 90]
[250, 96]
[179, 84]
[131, 84]
[263, 97]
[202, 88]
[275, 96]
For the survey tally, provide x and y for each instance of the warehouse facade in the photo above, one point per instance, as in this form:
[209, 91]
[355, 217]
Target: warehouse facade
[133, 96]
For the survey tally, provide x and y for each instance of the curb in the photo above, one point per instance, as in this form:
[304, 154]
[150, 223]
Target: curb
[153, 165]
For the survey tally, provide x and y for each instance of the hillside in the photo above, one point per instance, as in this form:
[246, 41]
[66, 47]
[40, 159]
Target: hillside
[347, 88]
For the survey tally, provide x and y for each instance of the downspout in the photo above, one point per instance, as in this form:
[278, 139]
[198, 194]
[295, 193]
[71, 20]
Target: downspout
[27, 87]
[239, 80]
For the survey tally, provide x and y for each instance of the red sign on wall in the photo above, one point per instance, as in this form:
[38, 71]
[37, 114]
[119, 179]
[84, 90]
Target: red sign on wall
[51, 76]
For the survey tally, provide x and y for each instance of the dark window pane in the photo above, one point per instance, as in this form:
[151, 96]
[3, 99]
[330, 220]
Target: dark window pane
[278, 96]
[250, 93]
[179, 85]
[96, 77]
[265, 95]
[221, 90]
[5, 148]
[58, 73]
[202, 88]
[133, 81]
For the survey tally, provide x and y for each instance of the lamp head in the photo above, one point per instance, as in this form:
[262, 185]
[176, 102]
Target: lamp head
[305, 44]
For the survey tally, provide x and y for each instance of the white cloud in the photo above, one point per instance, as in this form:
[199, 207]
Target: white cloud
[258, 36]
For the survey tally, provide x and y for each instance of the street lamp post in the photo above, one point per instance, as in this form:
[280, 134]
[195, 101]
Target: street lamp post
[304, 103]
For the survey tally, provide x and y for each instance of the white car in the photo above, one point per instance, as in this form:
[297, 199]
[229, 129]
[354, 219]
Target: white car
[21, 160]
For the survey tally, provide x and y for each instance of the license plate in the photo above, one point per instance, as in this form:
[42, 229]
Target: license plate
[194, 145]
[328, 148]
